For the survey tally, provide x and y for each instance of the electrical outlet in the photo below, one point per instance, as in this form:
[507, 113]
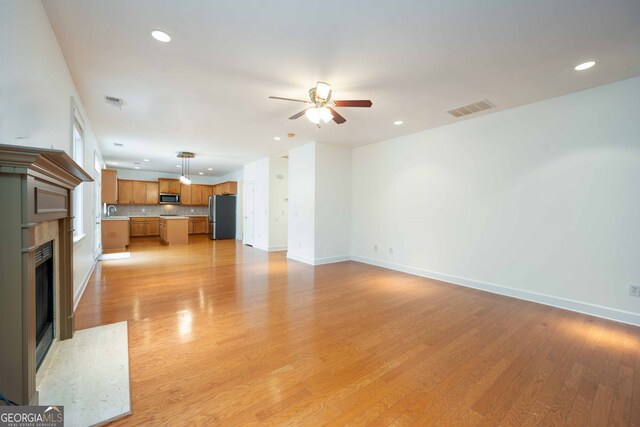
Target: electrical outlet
[391, 251]
[375, 248]
[634, 290]
[191, 210]
[142, 210]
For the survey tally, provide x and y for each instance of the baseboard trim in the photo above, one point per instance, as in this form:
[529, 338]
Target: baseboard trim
[318, 261]
[277, 248]
[566, 304]
[331, 260]
[85, 282]
[300, 258]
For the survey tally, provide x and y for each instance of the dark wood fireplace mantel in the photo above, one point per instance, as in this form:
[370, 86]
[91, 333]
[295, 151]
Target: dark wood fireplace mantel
[35, 187]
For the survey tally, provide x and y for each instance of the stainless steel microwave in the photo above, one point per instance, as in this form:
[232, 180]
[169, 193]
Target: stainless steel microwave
[169, 199]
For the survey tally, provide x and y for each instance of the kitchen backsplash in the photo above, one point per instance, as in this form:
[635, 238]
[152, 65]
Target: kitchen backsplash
[155, 210]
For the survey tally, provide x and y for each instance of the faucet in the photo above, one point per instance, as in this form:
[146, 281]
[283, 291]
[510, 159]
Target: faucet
[109, 210]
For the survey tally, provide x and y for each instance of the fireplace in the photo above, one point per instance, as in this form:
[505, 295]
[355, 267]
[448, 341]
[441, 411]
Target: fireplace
[36, 266]
[44, 300]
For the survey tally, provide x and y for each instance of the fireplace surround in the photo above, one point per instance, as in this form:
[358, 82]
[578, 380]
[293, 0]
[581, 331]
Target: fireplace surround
[36, 191]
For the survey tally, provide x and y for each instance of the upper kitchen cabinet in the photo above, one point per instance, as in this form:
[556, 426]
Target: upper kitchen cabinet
[109, 186]
[169, 186]
[137, 192]
[152, 193]
[229, 187]
[196, 194]
[207, 190]
[125, 192]
[185, 194]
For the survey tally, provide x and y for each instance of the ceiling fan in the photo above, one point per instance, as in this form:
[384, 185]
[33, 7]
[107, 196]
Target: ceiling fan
[322, 105]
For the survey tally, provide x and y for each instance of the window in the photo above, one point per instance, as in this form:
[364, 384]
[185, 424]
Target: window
[78, 157]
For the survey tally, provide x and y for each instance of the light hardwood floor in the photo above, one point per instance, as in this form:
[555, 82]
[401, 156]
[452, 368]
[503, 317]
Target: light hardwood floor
[222, 334]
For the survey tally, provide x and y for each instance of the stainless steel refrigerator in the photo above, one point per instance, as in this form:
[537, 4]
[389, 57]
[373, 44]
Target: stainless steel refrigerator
[222, 217]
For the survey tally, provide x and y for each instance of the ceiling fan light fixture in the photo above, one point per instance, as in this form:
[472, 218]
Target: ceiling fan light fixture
[316, 114]
[313, 114]
[323, 91]
[325, 114]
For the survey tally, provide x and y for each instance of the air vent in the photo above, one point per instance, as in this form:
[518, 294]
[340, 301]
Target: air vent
[113, 101]
[286, 156]
[43, 253]
[118, 145]
[471, 108]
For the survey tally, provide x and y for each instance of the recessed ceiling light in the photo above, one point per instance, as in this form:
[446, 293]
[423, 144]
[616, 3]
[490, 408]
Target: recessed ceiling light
[136, 167]
[113, 163]
[178, 166]
[209, 169]
[585, 66]
[200, 173]
[276, 138]
[161, 36]
[145, 160]
[398, 122]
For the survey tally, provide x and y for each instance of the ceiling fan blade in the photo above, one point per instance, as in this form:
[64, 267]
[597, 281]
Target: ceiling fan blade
[337, 117]
[354, 103]
[289, 99]
[298, 115]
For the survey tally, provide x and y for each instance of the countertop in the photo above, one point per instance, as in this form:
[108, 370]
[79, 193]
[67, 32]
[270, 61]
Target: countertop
[126, 218]
[116, 218]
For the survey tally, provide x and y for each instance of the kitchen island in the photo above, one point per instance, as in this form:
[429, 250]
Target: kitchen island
[174, 230]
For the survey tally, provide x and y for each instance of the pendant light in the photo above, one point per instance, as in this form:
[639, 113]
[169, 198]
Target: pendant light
[185, 156]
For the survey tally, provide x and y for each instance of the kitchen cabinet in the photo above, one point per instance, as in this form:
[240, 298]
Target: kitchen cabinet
[185, 194]
[196, 195]
[207, 190]
[145, 226]
[109, 186]
[198, 225]
[125, 192]
[229, 187]
[152, 193]
[169, 186]
[152, 227]
[174, 230]
[115, 233]
[137, 227]
[139, 192]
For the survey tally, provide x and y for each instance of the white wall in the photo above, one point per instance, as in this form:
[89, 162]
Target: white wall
[539, 202]
[35, 104]
[237, 176]
[278, 203]
[302, 174]
[319, 203]
[332, 203]
[258, 173]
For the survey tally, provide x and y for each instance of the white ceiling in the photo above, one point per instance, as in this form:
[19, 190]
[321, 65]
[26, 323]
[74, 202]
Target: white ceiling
[206, 91]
